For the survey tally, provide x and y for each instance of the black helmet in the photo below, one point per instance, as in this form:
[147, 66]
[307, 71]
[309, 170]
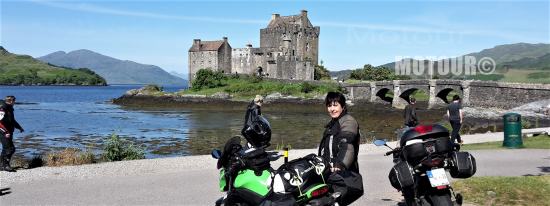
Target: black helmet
[258, 134]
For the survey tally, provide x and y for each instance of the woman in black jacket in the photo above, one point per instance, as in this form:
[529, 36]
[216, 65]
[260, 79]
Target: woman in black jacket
[340, 147]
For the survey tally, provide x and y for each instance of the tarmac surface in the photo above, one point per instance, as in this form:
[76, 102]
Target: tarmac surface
[194, 180]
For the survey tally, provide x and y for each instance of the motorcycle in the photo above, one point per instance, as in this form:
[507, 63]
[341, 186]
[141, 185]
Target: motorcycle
[421, 162]
[248, 179]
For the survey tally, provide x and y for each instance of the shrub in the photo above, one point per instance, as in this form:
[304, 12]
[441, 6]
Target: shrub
[307, 87]
[368, 72]
[117, 149]
[206, 78]
[153, 88]
[36, 161]
[69, 156]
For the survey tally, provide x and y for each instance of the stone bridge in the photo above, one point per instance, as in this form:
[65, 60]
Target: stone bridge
[473, 93]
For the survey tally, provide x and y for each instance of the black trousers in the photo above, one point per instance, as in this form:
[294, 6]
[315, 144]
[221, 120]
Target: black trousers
[455, 134]
[8, 148]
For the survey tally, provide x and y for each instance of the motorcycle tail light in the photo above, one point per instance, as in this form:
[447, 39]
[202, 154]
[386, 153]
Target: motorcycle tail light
[433, 162]
[319, 192]
[423, 129]
[441, 187]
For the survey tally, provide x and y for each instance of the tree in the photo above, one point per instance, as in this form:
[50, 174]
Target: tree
[370, 73]
[321, 72]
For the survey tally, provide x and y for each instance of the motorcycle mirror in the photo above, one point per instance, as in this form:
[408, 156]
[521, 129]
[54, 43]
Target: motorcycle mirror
[216, 153]
[379, 142]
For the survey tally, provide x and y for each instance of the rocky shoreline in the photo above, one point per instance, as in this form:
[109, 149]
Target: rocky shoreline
[145, 98]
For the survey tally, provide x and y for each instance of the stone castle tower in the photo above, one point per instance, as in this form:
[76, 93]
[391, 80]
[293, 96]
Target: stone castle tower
[289, 49]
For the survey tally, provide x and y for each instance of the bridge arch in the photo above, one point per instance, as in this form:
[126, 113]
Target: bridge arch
[382, 94]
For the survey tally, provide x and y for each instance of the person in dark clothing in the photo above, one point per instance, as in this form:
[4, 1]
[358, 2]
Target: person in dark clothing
[411, 120]
[8, 124]
[340, 147]
[253, 110]
[456, 117]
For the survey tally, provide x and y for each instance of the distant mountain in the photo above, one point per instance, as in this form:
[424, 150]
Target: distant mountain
[180, 75]
[24, 70]
[115, 71]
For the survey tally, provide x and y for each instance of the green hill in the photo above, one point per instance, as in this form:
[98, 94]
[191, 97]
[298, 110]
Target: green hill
[25, 70]
[513, 52]
[541, 62]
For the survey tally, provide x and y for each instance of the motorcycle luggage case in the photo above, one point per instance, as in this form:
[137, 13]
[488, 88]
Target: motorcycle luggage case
[401, 175]
[304, 169]
[443, 145]
[464, 165]
[415, 152]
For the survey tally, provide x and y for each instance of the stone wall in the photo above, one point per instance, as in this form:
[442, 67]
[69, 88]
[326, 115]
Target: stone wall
[224, 60]
[202, 60]
[506, 95]
[303, 42]
[473, 93]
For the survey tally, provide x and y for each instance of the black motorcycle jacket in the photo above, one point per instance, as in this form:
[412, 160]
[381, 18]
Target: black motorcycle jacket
[340, 143]
[8, 121]
[252, 112]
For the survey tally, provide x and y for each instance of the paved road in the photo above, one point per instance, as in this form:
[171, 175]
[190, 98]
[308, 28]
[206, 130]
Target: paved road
[168, 182]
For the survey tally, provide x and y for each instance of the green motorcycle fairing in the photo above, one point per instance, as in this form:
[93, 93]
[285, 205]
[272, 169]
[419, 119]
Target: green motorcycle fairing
[247, 179]
[223, 182]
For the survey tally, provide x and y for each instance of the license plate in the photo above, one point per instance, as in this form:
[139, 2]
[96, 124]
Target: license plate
[438, 177]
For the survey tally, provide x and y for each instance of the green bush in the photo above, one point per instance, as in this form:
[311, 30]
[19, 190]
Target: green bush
[206, 78]
[153, 88]
[307, 87]
[117, 149]
[370, 73]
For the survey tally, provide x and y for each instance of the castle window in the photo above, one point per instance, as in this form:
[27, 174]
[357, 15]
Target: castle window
[307, 47]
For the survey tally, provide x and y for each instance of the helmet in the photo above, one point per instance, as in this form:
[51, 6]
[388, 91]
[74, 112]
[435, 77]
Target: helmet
[258, 134]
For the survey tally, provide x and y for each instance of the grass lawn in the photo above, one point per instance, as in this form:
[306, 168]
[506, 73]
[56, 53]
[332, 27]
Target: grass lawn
[536, 142]
[530, 190]
[522, 75]
[247, 87]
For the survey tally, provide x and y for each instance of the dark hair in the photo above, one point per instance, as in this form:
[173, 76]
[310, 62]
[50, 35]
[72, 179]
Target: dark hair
[412, 99]
[335, 97]
[10, 97]
[456, 97]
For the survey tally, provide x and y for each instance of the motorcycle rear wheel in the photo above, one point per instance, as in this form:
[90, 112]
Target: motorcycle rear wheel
[440, 199]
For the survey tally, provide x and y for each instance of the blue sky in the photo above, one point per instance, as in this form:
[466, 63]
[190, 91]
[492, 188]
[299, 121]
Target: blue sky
[353, 33]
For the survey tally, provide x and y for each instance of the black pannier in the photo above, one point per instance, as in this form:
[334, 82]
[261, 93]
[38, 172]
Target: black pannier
[401, 175]
[464, 165]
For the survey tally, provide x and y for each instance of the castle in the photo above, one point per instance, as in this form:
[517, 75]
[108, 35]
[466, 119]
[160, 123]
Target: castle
[289, 49]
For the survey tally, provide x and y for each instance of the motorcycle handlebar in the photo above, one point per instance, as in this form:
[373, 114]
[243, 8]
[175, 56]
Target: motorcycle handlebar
[393, 151]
